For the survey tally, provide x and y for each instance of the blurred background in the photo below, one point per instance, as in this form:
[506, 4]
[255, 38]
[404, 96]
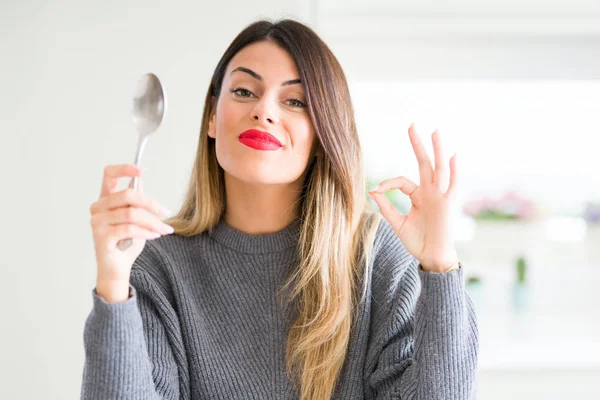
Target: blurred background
[513, 86]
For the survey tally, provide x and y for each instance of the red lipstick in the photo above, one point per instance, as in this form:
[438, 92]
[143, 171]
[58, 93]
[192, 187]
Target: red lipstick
[259, 140]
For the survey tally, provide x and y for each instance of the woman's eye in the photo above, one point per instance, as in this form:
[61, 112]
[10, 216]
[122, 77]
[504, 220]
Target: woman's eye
[296, 103]
[241, 92]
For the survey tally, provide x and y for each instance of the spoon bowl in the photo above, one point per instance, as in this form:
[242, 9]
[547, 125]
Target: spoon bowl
[149, 104]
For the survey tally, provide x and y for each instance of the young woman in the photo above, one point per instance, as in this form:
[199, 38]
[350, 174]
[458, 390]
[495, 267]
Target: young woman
[278, 283]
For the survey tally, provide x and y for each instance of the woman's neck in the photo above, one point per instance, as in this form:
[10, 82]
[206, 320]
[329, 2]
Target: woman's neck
[259, 208]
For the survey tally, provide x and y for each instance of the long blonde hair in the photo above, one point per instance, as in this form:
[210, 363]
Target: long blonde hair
[337, 231]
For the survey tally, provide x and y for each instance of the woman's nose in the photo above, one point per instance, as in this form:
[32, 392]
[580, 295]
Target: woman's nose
[265, 112]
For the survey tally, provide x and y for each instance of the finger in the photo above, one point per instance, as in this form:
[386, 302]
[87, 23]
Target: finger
[405, 185]
[388, 210]
[131, 198]
[132, 215]
[440, 175]
[425, 168]
[453, 176]
[115, 233]
[112, 173]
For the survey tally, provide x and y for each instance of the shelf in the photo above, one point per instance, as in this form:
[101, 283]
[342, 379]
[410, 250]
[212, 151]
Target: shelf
[556, 325]
[465, 17]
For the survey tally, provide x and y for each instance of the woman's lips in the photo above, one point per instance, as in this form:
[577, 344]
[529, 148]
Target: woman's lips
[259, 140]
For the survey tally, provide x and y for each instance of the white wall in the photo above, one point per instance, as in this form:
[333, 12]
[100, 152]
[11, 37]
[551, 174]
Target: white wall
[67, 71]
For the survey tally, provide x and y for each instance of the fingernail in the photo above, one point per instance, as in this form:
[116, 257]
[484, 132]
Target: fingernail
[374, 188]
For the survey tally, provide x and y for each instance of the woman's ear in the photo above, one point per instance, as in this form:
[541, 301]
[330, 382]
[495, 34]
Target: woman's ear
[212, 130]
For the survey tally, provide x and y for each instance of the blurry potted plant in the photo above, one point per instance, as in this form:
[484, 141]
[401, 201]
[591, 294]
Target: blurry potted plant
[511, 206]
[520, 287]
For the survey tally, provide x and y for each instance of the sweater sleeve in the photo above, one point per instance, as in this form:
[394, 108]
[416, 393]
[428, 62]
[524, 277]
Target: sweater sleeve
[424, 337]
[127, 350]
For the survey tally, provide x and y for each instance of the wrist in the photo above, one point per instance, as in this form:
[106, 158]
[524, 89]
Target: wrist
[442, 268]
[112, 291]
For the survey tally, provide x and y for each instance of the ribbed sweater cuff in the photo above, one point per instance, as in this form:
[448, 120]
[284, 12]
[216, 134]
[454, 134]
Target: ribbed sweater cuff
[444, 298]
[443, 282]
[115, 311]
[115, 324]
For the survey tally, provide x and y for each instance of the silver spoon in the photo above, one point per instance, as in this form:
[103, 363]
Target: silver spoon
[149, 104]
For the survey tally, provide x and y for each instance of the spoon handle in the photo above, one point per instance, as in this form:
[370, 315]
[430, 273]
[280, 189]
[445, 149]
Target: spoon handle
[124, 244]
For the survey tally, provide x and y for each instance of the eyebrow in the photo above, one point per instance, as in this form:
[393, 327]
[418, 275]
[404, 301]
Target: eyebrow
[258, 77]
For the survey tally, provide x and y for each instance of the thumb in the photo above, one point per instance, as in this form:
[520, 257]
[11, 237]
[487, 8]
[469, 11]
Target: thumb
[388, 211]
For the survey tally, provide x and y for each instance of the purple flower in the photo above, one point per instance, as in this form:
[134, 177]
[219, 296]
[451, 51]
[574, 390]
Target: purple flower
[592, 212]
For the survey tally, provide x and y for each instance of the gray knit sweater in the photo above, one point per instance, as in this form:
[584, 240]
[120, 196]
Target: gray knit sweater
[203, 322]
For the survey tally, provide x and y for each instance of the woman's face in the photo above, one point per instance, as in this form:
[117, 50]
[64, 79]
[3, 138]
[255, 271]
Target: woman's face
[262, 91]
